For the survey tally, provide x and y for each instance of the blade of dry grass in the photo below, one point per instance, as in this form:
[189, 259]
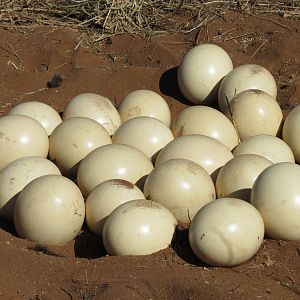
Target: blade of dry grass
[144, 17]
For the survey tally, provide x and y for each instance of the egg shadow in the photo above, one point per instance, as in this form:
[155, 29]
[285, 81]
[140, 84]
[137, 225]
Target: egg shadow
[154, 157]
[88, 245]
[181, 246]
[168, 86]
[242, 194]
[213, 96]
[9, 207]
[8, 227]
[7, 223]
[72, 172]
[141, 182]
[215, 173]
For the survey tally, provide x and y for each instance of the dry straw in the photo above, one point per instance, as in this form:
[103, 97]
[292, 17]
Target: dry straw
[111, 17]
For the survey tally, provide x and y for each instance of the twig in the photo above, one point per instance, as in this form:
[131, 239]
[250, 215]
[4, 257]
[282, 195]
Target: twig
[146, 18]
[11, 63]
[16, 55]
[228, 106]
[4, 106]
[258, 48]
[67, 292]
[240, 36]
[34, 92]
[179, 7]
[206, 21]
[270, 20]
[173, 43]
[225, 33]
[231, 111]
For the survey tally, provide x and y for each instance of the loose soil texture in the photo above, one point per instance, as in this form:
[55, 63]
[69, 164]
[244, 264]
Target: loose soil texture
[29, 58]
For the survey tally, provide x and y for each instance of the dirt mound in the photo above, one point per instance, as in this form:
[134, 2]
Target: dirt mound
[81, 270]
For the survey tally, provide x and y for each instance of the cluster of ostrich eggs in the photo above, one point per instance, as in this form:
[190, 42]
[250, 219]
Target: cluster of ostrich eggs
[226, 166]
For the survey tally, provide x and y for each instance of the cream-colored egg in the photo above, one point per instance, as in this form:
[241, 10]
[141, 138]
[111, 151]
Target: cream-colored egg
[256, 112]
[16, 175]
[205, 151]
[291, 131]
[201, 71]
[207, 121]
[72, 140]
[21, 136]
[115, 161]
[138, 227]
[42, 112]
[276, 195]
[242, 78]
[105, 197]
[144, 133]
[268, 146]
[226, 232]
[95, 107]
[236, 178]
[182, 186]
[49, 210]
[145, 103]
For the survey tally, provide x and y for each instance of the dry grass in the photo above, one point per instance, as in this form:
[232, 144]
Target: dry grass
[148, 17]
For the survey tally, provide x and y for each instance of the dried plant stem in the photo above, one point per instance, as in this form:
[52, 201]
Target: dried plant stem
[149, 17]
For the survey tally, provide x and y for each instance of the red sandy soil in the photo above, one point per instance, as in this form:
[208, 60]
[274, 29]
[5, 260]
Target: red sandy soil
[81, 269]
